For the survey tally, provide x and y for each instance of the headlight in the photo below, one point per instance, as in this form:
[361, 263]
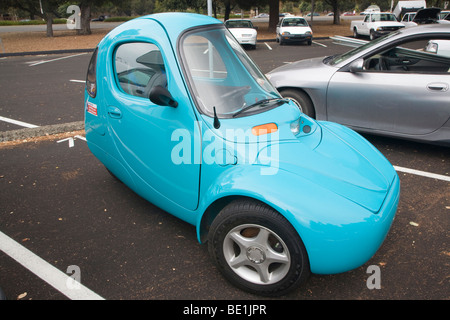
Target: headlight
[286, 33]
[308, 33]
[431, 47]
[295, 126]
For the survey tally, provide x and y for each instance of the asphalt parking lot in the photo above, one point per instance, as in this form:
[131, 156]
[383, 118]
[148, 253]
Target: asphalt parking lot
[74, 219]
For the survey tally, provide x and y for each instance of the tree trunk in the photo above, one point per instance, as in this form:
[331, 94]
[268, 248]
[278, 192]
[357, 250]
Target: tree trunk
[49, 19]
[85, 10]
[274, 14]
[227, 10]
[337, 14]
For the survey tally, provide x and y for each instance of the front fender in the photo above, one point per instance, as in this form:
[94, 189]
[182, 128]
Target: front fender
[339, 235]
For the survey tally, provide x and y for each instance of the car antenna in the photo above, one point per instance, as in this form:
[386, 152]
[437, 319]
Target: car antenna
[216, 119]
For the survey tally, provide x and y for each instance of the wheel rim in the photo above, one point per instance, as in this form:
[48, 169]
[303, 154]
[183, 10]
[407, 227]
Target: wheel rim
[256, 254]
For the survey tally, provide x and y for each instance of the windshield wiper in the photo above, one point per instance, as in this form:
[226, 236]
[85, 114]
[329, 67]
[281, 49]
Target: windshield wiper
[329, 58]
[260, 102]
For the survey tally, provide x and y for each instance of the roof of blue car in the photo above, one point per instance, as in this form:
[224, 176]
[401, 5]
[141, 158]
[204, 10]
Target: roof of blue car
[177, 22]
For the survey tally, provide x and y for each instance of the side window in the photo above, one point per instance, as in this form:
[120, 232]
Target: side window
[420, 56]
[139, 67]
[91, 76]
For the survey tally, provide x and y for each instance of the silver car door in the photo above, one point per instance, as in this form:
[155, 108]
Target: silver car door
[401, 91]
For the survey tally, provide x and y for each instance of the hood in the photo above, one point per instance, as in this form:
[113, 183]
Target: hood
[295, 30]
[342, 162]
[303, 73]
[428, 14]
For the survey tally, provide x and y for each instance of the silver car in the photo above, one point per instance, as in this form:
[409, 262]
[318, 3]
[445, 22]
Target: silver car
[390, 86]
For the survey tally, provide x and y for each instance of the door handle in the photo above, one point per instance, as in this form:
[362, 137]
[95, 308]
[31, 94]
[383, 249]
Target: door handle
[114, 112]
[437, 86]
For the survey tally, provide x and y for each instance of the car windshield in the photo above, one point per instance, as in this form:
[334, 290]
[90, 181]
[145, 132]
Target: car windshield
[239, 24]
[294, 22]
[334, 60]
[221, 75]
[383, 17]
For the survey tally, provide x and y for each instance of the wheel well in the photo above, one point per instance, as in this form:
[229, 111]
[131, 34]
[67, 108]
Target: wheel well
[304, 92]
[213, 210]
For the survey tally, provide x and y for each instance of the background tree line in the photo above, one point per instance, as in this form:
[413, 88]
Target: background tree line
[50, 9]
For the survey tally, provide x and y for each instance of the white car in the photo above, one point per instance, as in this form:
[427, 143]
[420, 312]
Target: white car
[439, 47]
[243, 30]
[294, 29]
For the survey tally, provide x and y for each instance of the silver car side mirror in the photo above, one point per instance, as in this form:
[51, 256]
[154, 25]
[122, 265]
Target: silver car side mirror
[357, 65]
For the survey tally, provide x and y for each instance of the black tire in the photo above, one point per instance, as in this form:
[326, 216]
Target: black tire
[301, 99]
[267, 254]
[355, 33]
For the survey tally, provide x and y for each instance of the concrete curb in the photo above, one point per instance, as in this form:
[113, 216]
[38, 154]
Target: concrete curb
[27, 133]
[36, 53]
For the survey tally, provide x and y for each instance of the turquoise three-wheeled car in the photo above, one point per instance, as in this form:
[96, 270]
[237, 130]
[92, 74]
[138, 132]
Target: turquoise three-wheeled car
[176, 110]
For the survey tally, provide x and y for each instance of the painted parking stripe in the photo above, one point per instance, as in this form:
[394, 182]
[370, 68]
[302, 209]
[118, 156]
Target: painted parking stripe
[422, 173]
[17, 122]
[320, 44]
[267, 45]
[66, 57]
[78, 81]
[56, 278]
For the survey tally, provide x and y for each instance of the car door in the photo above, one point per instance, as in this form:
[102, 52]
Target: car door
[400, 90]
[146, 134]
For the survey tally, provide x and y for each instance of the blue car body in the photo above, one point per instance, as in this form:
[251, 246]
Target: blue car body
[336, 189]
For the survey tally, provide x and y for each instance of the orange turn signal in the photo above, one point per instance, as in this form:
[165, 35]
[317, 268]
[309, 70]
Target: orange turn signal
[264, 129]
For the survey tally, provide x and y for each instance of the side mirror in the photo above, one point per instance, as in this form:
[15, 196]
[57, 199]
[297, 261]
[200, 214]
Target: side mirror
[162, 97]
[356, 66]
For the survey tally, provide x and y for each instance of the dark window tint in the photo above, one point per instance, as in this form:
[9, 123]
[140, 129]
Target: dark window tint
[91, 82]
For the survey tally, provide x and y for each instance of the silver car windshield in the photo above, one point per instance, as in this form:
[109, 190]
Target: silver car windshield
[334, 60]
[222, 76]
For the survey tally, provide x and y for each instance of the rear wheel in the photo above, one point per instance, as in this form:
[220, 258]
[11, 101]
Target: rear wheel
[257, 249]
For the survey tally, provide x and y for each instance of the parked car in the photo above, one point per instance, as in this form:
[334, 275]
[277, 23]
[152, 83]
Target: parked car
[262, 15]
[293, 29]
[439, 47]
[243, 30]
[375, 25]
[423, 16]
[176, 110]
[390, 86]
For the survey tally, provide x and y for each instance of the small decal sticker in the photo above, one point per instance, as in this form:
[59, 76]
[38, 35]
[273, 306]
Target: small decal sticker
[91, 108]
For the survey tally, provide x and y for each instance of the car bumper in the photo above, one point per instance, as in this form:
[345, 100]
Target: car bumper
[295, 37]
[353, 244]
[380, 33]
[251, 41]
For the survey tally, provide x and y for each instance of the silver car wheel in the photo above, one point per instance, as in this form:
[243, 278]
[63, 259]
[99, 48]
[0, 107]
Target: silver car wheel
[256, 254]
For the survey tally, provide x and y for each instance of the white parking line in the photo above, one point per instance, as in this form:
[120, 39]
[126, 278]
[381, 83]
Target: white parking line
[66, 57]
[17, 122]
[422, 173]
[79, 81]
[267, 45]
[320, 44]
[56, 278]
